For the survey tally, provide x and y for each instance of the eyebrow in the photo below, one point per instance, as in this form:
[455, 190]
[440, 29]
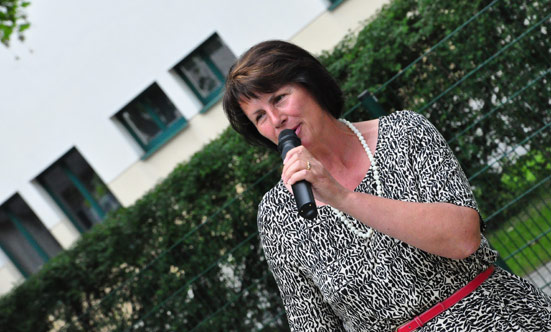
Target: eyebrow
[272, 97]
[256, 112]
[270, 101]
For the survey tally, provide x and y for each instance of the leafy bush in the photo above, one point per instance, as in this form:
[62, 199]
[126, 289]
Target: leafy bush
[13, 20]
[484, 86]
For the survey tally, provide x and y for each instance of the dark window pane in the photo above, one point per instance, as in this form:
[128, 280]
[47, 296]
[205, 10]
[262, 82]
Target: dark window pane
[18, 247]
[206, 68]
[220, 54]
[200, 75]
[33, 225]
[137, 117]
[149, 114]
[158, 101]
[59, 183]
[93, 184]
[79, 190]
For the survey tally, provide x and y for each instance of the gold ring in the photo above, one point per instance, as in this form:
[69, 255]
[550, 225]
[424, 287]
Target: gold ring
[308, 166]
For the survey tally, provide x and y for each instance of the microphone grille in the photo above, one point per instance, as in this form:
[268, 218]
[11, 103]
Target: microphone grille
[287, 136]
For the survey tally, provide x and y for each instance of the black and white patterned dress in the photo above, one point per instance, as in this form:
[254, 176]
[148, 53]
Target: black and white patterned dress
[332, 280]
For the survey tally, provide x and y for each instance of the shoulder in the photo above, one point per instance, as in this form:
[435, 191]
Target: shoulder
[405, 118]
[404, 124]
[276, 228]
[273, 198]
[273, 208]
[400, 119]
[367, 126]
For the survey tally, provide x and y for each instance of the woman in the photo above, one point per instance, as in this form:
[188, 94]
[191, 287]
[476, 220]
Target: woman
[397, 231]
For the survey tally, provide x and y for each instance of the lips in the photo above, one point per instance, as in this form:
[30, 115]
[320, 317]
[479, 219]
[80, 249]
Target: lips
[297, 130]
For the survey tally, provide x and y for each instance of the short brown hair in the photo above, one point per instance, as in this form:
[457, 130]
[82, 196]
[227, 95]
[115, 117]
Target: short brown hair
[266, 67]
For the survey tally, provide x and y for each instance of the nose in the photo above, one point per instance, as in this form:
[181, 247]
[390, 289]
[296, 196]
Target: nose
[277, 118]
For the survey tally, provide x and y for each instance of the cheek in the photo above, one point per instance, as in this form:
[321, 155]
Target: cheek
[295, 108]
[267, 131]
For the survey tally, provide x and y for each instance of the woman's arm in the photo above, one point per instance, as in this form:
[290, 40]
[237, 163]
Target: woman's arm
[304, 305]
[442, 229]
[447, 225]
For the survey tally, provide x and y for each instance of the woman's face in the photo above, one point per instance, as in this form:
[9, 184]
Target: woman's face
[290, 107]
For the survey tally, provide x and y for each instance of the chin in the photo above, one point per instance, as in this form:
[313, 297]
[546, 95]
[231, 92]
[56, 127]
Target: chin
[305, 143]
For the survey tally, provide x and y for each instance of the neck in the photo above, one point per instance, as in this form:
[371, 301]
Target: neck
[336, 149]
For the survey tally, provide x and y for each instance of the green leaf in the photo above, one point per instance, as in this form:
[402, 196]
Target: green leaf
[24, 27]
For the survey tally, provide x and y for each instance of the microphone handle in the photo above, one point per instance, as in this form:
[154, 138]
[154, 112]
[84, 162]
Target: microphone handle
[302, 190]
[304, 197]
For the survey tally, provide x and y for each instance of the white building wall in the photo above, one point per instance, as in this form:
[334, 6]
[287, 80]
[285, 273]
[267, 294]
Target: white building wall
[91, 58]
[83, 61]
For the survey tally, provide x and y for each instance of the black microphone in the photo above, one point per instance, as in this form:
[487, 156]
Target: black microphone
[301, 189]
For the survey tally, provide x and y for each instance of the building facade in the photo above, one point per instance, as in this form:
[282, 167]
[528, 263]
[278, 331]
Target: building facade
[105, 98]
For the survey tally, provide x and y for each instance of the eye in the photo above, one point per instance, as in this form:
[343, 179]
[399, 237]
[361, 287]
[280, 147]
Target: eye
[279, 98]
[259, 116]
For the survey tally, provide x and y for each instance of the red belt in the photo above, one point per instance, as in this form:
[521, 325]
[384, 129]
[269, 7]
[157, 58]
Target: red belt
[423, 318]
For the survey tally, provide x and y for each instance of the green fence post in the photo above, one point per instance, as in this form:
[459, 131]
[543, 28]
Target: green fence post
[371, 104]
[501, 263]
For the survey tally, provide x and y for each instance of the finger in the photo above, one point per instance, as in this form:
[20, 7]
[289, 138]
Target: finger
[299, 176]
[298, 166]
[294, 153]
[292, 166]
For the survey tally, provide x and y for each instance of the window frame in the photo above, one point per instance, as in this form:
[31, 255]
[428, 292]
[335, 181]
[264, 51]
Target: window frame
[167, 131]
[334, 4]
[216, 94]
[79, 185]
[26, 234]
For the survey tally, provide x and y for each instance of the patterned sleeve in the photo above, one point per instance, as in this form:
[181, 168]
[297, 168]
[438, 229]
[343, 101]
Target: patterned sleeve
[438, 173]
[304, 306]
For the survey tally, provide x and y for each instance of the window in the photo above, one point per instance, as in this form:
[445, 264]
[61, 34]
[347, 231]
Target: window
[334, 4]
[23, 237]
[205, 70]
[78, 190]
[151, 119]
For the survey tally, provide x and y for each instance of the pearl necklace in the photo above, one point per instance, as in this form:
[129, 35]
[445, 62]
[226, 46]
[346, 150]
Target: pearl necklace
[350, 224]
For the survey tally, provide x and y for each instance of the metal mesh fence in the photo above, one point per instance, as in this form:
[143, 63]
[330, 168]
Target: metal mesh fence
[497, 108]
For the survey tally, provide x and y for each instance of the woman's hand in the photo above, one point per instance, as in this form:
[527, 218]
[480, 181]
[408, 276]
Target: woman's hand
[300, 164]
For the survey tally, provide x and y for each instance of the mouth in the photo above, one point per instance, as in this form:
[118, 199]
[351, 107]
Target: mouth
[297, 130]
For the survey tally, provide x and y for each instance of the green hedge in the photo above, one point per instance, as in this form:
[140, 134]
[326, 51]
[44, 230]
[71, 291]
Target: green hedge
[158, 226]
[492, 74]
[186, 256]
